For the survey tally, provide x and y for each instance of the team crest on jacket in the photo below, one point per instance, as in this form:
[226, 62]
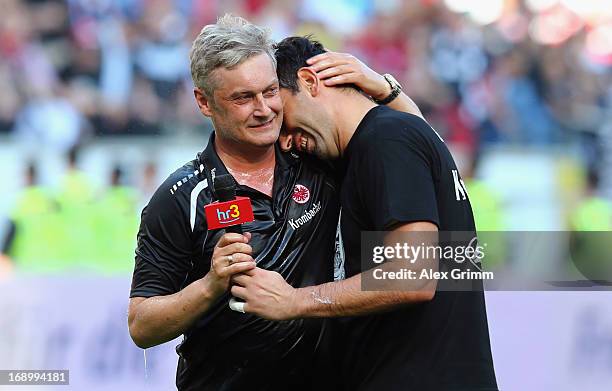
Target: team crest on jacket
[301, 194]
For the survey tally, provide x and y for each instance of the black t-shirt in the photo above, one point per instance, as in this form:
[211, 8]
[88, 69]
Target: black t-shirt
[292, 232]
[398, 170]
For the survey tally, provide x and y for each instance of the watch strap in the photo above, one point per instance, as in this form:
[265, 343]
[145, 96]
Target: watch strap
[396, 88]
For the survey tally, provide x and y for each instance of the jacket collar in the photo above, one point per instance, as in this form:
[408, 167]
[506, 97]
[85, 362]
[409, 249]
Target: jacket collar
[213, 165]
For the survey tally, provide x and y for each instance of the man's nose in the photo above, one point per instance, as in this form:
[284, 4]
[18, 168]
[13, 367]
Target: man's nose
[261, 106]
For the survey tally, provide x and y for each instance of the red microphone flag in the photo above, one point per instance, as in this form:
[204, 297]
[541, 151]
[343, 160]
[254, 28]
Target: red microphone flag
[228, 213]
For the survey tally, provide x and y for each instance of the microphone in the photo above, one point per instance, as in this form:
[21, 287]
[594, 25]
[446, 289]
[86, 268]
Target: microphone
[229, 213]
[225, 188]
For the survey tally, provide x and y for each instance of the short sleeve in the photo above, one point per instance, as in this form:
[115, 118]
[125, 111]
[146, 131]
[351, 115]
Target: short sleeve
[163, 253]
[397, 186]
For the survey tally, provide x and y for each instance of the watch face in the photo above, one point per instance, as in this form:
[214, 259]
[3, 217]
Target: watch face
[396, 88]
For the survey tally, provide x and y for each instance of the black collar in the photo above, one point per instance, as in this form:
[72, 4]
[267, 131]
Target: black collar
[211, 164]
[364, 123]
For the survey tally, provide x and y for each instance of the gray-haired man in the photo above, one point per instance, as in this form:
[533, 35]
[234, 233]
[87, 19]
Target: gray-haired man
[182, 273]
[183, 270]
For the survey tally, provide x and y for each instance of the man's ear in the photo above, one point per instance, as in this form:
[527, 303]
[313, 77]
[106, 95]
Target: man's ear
[203, 102]
[308, 79]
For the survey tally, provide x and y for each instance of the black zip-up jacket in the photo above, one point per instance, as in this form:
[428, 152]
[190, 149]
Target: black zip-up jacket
[293, 234]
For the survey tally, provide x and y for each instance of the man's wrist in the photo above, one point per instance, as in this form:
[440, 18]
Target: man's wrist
[299, 303]
[206, 289]
[384, 89]
[396, 89]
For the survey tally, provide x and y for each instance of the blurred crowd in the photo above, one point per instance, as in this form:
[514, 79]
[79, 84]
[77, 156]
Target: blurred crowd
[531, 73]
[76, 225]
[73, 69]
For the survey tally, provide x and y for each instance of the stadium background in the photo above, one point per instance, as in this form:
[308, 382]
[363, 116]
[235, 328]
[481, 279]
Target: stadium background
[520, 90]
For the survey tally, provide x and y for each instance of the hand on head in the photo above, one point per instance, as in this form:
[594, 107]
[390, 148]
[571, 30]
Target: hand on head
[342, 68]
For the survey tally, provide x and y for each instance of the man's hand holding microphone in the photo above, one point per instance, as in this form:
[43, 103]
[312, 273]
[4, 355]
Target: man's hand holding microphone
[232, 265]
[232, 255]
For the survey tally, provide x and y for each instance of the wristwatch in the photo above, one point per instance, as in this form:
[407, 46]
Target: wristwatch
[396, 88]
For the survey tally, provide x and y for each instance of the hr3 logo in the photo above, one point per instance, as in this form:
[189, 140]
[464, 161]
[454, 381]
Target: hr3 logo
[228, 213]
[228, 216]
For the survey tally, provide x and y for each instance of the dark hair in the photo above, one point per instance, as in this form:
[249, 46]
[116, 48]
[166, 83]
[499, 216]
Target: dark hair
[291, 54]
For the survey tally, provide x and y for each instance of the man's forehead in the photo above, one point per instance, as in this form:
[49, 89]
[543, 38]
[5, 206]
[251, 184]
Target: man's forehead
[241, 82]
[256, 86]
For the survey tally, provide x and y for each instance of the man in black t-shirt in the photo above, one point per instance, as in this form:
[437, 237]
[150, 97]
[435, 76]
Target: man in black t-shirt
[398, 177]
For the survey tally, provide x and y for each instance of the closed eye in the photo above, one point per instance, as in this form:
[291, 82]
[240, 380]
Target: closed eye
[242, 99]
[271, 92]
